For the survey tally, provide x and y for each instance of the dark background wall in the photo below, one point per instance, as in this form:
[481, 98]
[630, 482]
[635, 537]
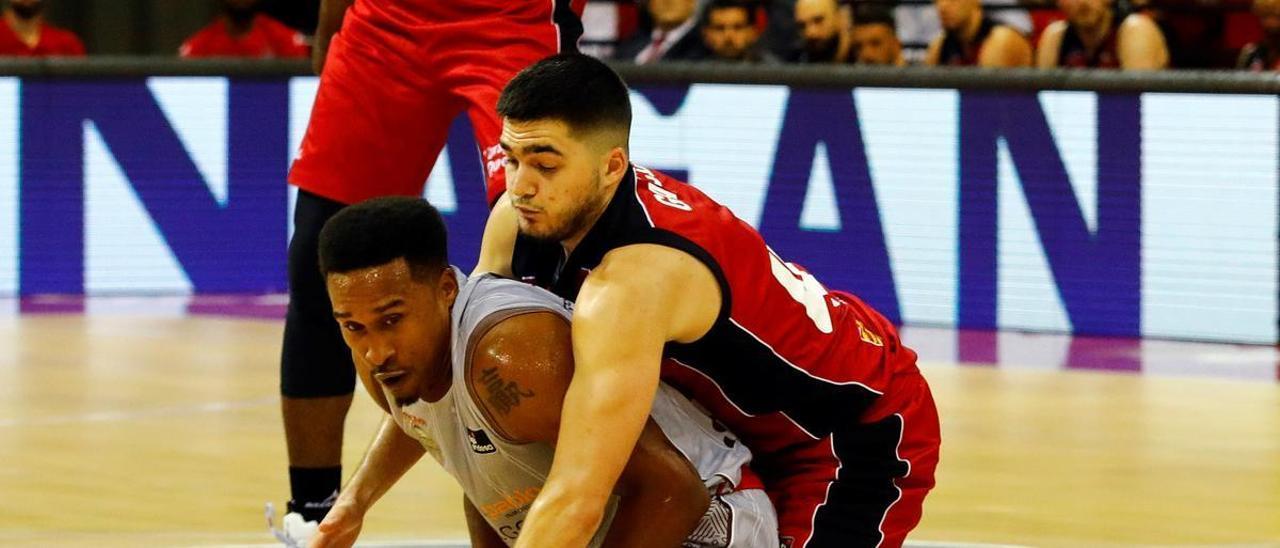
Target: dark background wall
[156, 27]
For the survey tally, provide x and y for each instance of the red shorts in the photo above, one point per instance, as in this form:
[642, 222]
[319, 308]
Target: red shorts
[865, 486]
[386, 101]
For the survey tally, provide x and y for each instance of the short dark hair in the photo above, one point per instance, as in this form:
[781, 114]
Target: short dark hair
[576, 89]
[873, 14]
[381, 230]
[749, 6]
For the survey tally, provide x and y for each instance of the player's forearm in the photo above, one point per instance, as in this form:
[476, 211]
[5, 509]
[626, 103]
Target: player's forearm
[602, 418]
[391, 454]
[330, 20]
[559, 518]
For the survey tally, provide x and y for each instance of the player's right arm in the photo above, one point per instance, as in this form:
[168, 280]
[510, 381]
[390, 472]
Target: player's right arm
[390, 455]
[499, 240]
[638, 298]
[331, 13]
[661, 496]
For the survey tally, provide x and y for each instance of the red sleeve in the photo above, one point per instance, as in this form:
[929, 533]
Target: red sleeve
[196, 45]
[64, 43]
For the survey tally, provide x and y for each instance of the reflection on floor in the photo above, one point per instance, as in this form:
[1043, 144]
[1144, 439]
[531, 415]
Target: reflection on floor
[154, 421]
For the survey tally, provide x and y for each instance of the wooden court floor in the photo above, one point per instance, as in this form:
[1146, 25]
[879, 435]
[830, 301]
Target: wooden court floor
[147, 429]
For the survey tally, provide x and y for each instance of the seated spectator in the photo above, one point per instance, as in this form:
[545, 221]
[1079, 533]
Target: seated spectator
[672, 37]
[825, 32]
[969, 38]
[26, 34]
[1264, 55]
[917, 23]
[240, 31]
[729, 32]
[779, 36]
[1093, 36]
[875, 38]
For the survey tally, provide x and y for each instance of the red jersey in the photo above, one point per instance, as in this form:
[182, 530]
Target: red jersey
[414, 29]
[787, 362]
[53, 41]
[266, 38]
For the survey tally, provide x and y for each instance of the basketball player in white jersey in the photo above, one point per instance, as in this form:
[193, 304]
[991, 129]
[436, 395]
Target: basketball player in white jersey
[474, 372]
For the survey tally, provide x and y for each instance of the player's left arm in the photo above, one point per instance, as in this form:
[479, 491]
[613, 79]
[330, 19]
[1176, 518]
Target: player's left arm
[1140, 44]
[499, 240]
[637, 299]
[520, 372]
[1005, 48]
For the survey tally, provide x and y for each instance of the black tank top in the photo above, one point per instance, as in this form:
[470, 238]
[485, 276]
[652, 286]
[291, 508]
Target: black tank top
[956, 53]
[1073, 53]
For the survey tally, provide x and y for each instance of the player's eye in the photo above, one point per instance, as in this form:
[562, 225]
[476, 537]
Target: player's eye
[352, 327]
[392, 319]
[512, 162]
[546, 168]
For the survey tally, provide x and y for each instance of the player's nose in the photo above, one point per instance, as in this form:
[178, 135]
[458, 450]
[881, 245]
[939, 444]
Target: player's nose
[521, 184]
[379, 353]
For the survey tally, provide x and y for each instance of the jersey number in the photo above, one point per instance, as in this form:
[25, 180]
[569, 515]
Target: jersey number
[805, 289]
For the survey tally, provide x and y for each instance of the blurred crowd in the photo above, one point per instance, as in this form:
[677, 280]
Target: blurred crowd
[1123, 34]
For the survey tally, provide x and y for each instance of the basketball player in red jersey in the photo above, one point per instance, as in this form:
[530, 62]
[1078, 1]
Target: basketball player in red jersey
[393, 76]
[814, 381]
[24, 33]
[1093, 36]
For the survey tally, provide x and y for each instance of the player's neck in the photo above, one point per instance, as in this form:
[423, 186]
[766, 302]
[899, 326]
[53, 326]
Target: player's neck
[439, 380]
[28, 30]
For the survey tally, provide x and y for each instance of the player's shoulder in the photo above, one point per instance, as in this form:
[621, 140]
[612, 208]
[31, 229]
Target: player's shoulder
[489, 295]
[669, 202]
[63, 36]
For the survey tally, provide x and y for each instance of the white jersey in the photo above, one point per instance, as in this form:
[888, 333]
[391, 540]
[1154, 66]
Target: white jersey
[502, 477]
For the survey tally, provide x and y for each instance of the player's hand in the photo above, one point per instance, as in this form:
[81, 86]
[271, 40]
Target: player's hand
[341, 526]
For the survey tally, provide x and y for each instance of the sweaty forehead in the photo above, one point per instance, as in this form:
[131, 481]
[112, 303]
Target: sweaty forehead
[370, 284]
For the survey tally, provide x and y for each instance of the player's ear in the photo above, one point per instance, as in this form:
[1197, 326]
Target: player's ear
[447, 286]
[616, 165]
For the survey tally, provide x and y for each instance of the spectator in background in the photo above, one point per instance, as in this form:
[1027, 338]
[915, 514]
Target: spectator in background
[1264, 55]
[1093, 36]
[240, 31]
[26, 34]
[875, 37]
[917, 23]
[825, 32]
[672, 37]
[729, 32]
[970, 38]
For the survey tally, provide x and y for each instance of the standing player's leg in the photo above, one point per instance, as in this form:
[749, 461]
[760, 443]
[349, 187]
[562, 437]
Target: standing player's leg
[317, 379]
[372, 133]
